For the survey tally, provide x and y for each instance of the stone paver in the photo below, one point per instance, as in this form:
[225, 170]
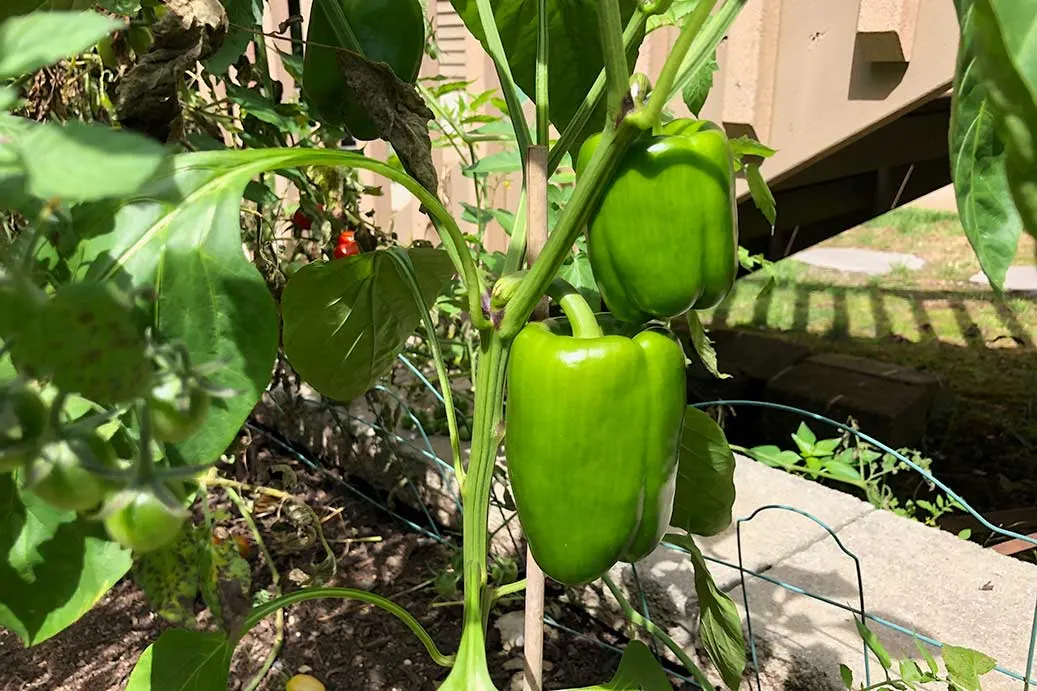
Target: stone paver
[922, 578]
[1019, 279]
[854, 260]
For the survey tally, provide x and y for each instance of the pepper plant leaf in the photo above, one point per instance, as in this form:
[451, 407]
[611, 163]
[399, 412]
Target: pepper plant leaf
[241, 16]
[988, 215]
[705, 490]
[638, 671]
[1006, 43]
[965, 666]
[54, 567]
[346, 320]
[182, 660]
[574, 56]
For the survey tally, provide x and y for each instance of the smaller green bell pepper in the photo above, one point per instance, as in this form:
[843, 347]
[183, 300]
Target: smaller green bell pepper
[592, 430]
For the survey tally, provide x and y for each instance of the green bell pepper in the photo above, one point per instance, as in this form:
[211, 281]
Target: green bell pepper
[592, 430]
[389, 31]
[663, 238]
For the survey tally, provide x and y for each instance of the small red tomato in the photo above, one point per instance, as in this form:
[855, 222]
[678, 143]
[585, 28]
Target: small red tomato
[346, 236]
[301, 221]
[346, 249]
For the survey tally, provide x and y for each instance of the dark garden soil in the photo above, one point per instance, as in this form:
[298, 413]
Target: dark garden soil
[348, 645]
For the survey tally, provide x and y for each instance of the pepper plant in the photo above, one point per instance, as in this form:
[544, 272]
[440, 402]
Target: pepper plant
[137, 336]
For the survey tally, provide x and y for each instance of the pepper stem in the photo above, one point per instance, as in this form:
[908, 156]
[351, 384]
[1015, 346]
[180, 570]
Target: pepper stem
[577, 311]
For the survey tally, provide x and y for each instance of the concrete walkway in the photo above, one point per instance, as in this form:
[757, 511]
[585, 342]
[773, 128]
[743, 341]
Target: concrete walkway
[921, 578]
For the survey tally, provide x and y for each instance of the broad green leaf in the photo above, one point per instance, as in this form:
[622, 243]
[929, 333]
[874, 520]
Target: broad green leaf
[579, 273]
[874, 644]
[703, 346]
[54, 568]
[842, 471]
[575, 57]
[705, 490]
[985, 205]
[181, 235]
[80, 161]
[36, 40]
[345, 321]
[697, 90]
[720, 627]
[804, 438]
[242, 15]
[183, 660]
[638, 671]
[1005, 33]
[909, 670]
[965, 666]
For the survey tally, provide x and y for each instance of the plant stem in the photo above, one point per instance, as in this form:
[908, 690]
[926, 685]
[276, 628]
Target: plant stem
[649, 115]
[495, 48]
[593, 98]
[617, 72]
[263, 611]
[648, 625]
[542, 97]
[710, 36]
[577, 311]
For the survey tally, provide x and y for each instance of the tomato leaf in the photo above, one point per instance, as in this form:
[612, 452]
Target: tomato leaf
[54, 567]
[36, 40]
[638, 671]
[346, 320]
[761, 193]
[988, 215]
[181, 235]
[183, 660]
[705, 491]
[697, 90]
[965, 666]
[574, 50]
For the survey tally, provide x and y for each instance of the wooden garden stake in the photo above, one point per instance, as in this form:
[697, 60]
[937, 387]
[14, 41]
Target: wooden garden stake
[536, 237]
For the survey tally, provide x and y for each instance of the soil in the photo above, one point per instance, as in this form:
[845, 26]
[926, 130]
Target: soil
[347, 645]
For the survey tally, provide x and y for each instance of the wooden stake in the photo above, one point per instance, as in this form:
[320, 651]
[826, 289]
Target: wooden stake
[536, 238]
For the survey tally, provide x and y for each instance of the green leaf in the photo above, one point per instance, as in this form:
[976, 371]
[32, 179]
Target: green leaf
[747, 146]
[54, 567]
[988, 215]
[80, 161]
[720, 628]
[37, 40]
[775, 457]
[697, 90]
[965, 666]
[638, 671]
[579, 273]
[703, 345]
[1004, 35]
[169, 578]
[909, 670]
[761, 193]
[500, 162]
[930, 661]
[242, 15]
[181, 235]
[574, 56]
[183, 661]
[847, 675]
[705, 490]
[842, 471]
[873, 643]
[123, 7]
[826, 447]
[8, 98]
[804, 438]
[345, 321]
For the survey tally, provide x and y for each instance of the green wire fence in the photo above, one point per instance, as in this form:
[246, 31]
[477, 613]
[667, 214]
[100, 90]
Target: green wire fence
[429, 528]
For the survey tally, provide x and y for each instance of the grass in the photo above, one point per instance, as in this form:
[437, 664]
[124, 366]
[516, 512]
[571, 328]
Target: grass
[932, 319]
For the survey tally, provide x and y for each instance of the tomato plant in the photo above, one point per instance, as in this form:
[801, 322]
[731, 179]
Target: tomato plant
[134, 289]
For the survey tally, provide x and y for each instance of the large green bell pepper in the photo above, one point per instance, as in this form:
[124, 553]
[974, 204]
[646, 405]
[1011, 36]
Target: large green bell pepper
[592, 430]
[389, 31]
[663, 238]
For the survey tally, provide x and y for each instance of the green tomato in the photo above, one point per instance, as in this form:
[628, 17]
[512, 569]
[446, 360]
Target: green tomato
[140, 521]
[175, 414]
[63, 480]
[23, 421]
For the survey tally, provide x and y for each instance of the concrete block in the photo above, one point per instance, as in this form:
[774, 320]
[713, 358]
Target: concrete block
[921, 578]
[891, 403]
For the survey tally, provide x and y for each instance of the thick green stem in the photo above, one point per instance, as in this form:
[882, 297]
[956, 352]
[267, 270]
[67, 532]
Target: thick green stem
[495, 48]
[577, 311]
[543, 112]
[617, 72]
[471, 671]
[649, 115]
[593, 98]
